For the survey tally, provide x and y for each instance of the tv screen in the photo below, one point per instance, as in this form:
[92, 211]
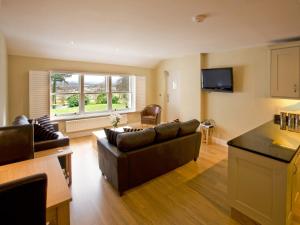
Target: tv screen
[219, 79]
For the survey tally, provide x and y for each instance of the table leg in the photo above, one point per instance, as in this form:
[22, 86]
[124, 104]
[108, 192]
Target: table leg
[69, 167]
[63, 214]
[207, 136]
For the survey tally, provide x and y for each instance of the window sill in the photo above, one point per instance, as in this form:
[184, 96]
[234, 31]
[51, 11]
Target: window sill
[86, 116]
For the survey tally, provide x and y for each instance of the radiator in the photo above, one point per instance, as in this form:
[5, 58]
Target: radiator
[91, 123]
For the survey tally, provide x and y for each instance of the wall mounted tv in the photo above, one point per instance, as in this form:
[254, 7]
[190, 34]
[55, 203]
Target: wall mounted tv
[217, 79]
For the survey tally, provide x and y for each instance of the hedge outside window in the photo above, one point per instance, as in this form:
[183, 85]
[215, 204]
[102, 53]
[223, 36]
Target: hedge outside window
[75, 93]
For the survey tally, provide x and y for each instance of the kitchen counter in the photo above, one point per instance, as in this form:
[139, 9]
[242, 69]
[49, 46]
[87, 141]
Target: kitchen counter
[270, 141]
[263, 175]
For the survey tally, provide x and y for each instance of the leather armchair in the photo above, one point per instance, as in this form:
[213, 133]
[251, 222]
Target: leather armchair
[151, 114]
[23, 201]
[16, 143]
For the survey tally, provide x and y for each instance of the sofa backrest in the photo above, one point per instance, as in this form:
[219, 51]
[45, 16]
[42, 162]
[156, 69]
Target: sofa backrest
[21, 120]
[129, 141]
[16, 143]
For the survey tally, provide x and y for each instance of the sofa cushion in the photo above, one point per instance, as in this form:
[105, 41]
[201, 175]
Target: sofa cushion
[188, 127]
[166, 131]
[133, 140]
[132, 129]
[45, 122]
[111, 136]
[21, 120]
[43, 134]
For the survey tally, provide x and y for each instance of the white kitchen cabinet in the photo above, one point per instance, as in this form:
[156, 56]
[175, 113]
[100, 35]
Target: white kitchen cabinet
[285, 72]
[262, 188]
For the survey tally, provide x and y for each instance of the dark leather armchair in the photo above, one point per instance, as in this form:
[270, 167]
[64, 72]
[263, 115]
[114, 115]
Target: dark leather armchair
[23, 201]
[16, 143]
[151, 114]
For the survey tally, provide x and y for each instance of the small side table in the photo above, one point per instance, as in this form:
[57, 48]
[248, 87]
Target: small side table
[207, 131]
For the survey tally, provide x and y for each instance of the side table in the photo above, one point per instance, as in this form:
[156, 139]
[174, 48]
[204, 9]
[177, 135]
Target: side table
[207, 131]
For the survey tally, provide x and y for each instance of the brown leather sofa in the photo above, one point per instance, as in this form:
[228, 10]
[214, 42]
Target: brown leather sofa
[143, 155]
[61, 141]
[151, 115]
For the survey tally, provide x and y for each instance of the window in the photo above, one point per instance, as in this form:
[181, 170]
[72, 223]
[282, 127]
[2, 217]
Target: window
[121, 92]
[95, 93]
[75, 93]
[65, 93]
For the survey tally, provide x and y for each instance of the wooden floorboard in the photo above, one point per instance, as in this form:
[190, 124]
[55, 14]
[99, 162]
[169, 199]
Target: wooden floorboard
[193, 194]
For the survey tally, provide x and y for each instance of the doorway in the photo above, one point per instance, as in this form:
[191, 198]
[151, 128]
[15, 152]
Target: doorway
[172, 96]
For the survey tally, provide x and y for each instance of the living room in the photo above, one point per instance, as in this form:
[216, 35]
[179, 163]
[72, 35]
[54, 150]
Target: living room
[132, 55]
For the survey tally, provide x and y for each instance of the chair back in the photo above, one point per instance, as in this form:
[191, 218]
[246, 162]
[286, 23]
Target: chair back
[23, 201]
[16, 143]
[152, 109]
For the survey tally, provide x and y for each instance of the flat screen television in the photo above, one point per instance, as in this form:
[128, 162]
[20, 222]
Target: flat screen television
[217, 79]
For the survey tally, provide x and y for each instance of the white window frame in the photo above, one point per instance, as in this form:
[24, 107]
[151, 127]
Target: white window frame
[81, 111]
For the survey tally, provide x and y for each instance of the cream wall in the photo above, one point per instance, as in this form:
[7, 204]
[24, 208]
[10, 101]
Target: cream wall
[19, 67]
[3, 81]
[250, 104]
[187, 70]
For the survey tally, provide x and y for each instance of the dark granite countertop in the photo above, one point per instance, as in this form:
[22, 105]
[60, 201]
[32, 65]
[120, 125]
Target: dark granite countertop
[270, 141]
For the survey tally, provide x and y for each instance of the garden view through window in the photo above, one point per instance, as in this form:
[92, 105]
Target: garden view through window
[76, 93]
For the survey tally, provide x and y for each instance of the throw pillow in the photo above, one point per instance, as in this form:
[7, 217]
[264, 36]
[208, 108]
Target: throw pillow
[112, 136]
[132, 129]
[42, 134]
[44, 121]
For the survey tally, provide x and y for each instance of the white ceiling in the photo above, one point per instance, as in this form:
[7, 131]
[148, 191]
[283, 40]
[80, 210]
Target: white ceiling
[142, 32]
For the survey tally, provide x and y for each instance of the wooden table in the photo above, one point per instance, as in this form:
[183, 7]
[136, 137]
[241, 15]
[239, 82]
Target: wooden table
[59, 152]
[58, 193]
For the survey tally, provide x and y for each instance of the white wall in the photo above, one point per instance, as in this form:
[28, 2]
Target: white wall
[250, 105]
[187, 70]
[3, 81]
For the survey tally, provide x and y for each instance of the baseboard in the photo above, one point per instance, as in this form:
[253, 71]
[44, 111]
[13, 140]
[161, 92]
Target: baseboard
[219, 141]
[80, 134]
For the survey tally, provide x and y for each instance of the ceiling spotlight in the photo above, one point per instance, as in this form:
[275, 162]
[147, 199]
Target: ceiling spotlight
[199, 18]
[72, 44]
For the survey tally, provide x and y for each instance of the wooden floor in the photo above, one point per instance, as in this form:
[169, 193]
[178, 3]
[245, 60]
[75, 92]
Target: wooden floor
[193, 194]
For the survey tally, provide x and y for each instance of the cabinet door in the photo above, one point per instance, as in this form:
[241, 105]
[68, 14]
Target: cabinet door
[295, 181]
[285, 74]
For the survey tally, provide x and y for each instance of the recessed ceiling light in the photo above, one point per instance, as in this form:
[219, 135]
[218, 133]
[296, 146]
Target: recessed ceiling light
[72, 44]
[199, 18]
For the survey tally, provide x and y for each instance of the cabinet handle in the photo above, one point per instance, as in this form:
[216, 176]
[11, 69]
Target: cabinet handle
[295, 88]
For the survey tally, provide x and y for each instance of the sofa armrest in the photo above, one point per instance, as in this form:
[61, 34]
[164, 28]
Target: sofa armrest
[61, 141]
[113, 164]
[55, 126]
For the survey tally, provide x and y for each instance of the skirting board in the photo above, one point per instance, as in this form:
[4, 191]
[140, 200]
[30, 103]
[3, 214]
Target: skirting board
[219, 141]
